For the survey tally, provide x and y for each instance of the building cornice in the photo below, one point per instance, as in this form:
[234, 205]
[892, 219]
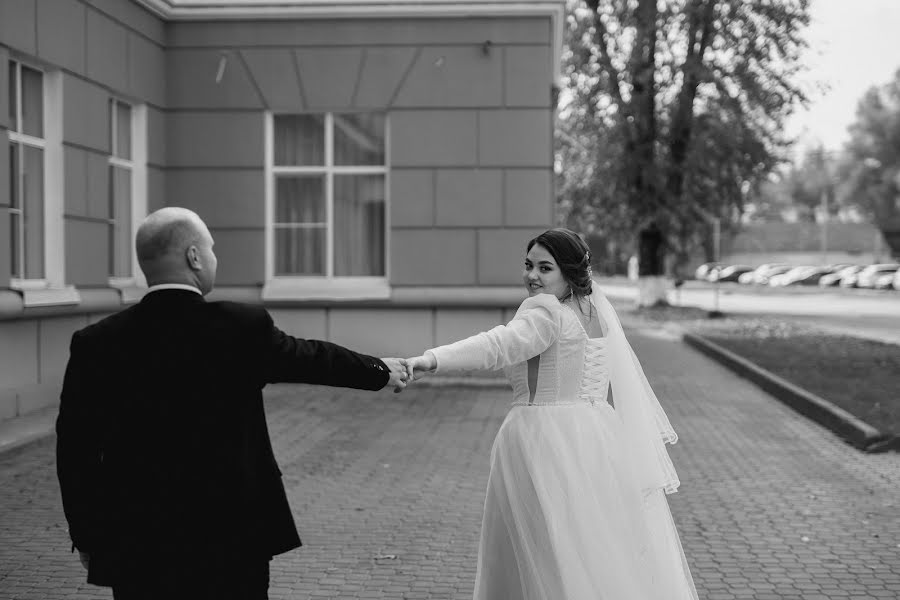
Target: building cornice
[223, 10]
[245, 9]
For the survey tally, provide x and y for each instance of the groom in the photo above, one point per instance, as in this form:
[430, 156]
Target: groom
[168, 478]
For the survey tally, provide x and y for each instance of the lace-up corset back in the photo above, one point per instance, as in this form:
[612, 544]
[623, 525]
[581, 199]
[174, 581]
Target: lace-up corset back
[595, 377]
[573, 369]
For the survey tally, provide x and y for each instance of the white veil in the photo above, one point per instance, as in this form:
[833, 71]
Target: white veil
[646, 425]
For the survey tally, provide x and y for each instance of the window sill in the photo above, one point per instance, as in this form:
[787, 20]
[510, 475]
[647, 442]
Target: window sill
[49, 296]
[361, 288]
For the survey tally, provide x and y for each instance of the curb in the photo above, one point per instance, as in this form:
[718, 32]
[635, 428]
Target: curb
[858, 433]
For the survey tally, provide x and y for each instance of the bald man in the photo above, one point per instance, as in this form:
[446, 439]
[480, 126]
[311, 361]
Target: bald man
[168, 478]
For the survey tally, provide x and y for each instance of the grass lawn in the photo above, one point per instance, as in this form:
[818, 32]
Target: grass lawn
[860, 376]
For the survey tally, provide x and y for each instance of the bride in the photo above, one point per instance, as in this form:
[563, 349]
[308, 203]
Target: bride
[576, 500]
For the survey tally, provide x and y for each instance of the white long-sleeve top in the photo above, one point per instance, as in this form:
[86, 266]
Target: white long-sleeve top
[541, 327]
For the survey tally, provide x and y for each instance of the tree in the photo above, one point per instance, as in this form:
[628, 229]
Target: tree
[672, 110]
[811, 181]
[871, 170]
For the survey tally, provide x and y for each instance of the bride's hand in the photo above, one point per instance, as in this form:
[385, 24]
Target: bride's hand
[418, 366]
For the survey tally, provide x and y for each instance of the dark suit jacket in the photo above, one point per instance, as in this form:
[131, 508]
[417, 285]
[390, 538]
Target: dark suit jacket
[162, 446]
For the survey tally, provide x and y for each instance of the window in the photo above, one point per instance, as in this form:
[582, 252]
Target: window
[127, 193]
[326, 225]
[120, 177]
[37, 231]
[26, 173]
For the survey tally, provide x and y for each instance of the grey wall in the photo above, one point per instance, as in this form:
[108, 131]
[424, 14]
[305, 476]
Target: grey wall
[470, 154]
[104, 48]
[470, 131]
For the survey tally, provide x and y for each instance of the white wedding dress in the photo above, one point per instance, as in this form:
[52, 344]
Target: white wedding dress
[566, 517]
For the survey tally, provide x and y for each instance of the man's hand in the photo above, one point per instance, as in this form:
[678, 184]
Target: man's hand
[399, 373]
[85, 558]
[418, 366]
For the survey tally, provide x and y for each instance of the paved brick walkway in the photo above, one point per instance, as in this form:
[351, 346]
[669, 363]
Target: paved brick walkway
[387, 491]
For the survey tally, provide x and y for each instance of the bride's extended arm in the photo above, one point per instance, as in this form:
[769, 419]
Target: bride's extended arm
[535, 328]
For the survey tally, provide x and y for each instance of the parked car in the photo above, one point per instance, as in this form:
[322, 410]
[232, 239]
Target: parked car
[816, 274]
[836, 277]
[896, 282]
[729, 273]
[885, 281]
[849, 280]
[790, 276]
[812, 276]
[703, 270]
[761, 271]
[867, 277]
[774, 271]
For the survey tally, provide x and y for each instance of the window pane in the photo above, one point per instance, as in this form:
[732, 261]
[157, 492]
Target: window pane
[300, 199]
[15, 257]
[300, 251]
[14, 217]
[33, 196]
[32, 102]
[300, 140]
[14, 176]
[359, 139]
[13, 96]
[359, 225]
[123, 130]
[120, 228]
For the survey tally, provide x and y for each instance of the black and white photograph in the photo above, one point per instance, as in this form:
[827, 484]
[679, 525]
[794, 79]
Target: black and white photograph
[449, 299]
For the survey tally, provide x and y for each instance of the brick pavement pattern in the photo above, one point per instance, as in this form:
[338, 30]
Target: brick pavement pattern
[387, 491]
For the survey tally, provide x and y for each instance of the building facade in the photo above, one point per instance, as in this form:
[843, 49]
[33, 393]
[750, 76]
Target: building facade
[370, 171]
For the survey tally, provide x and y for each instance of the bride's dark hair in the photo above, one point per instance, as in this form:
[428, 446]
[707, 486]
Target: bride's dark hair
[572, 255]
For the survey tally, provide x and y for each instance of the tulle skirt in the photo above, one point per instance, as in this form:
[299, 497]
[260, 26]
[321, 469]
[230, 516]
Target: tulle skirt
[564, 518]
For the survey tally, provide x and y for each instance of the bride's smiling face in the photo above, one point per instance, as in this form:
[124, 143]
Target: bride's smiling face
[542, 274]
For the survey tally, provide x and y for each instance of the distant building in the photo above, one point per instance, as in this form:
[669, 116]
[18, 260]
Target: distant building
[370, 169]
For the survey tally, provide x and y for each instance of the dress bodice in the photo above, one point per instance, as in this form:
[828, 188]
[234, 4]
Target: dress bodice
[572, 367]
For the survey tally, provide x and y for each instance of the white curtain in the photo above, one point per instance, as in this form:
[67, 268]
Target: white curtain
[358, 199]
[359, 225]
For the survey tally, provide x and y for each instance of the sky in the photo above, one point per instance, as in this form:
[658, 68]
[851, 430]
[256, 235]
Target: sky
[854, 44]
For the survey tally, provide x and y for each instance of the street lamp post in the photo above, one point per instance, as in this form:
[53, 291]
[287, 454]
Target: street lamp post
[824, 227]
[717, 247]
[716, 223]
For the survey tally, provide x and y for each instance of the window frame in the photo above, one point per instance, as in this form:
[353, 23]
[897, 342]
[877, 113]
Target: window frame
[137, 166]
[21, 140]
[51, 289]
[328, 286]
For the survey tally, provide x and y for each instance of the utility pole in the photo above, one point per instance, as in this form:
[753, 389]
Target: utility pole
[716, 223]
[824, 228]
[717, 244]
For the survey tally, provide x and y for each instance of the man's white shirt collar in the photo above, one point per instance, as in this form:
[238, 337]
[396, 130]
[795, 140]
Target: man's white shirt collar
[173, 286]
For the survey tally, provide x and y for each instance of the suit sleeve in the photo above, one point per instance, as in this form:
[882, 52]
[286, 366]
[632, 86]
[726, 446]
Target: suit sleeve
[535, 328]
[78, 449]
[286, 359]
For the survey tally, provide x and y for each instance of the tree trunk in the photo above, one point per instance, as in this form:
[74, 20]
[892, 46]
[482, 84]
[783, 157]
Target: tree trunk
[652, 285]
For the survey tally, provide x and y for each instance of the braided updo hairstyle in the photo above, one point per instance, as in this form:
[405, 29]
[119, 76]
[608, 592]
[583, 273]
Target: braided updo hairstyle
[571, 254]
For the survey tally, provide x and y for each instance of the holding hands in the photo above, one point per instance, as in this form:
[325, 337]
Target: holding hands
[418, 366]
[399, 373]
[404, 371]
